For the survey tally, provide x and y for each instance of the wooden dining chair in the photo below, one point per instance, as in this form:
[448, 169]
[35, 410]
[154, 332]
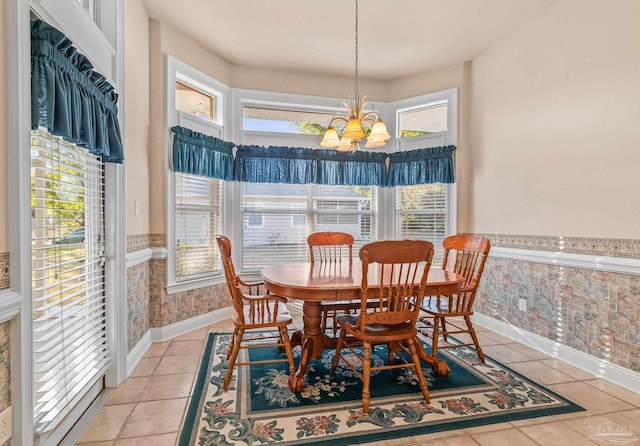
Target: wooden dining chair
[465, 255]
[253, 309]
[400, 267]
[331, 248]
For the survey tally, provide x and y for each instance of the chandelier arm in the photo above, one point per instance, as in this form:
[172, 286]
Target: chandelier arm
[339, 119]
[367, 117]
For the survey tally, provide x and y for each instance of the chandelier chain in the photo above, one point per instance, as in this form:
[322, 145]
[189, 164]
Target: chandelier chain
[356, 92]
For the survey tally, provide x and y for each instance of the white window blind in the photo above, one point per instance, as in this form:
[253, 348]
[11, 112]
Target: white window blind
[70, 352]
[197, 220]
[421, 213]
[277, 218]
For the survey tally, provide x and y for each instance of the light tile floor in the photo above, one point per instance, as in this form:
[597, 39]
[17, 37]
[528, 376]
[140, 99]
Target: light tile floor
[148, 408]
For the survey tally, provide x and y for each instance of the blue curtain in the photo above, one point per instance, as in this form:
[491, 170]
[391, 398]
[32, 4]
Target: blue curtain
[69, 98]
[291, 165]
[199, 154]
[422, 166]
[352, 168]
[256, 164]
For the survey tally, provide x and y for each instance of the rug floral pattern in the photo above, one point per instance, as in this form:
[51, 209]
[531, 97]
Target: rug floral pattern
[263, 410]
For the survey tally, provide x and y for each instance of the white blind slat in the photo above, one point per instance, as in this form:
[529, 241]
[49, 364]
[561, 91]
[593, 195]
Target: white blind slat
[421, 213]
[277, 218]
[197, 221]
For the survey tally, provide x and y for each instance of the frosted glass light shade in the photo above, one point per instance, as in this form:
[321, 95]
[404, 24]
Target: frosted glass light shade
[330, 138]
[353, 130]
[379, 131]
[345, 145]
[372, 143]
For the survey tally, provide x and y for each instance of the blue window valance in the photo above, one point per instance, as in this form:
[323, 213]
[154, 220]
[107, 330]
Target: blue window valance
[352, 168]
[199, 154]
[256, 164]
[421, 166]
[291, 165]
[69, 98]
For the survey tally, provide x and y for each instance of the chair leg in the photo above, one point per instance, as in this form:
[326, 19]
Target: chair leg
[336, 358]
[237, 339]
[334, 322]
[366, 377]
[416, 362]
[232, 343]
[284, 335]
[472, 332]
[390, 355]
[445, 335]
[323, 322]
[435, 336]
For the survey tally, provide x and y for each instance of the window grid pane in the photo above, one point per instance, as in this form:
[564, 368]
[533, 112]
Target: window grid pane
[197, 220]
[421, 213]
[289, 213]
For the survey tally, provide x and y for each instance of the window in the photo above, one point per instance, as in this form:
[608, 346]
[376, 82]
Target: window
[197, 220]
[285, 121]
[194, 208]
[426, 120]
[194, 102]
[421, 213]
[70, 351]
[298, 220]
[327, 208]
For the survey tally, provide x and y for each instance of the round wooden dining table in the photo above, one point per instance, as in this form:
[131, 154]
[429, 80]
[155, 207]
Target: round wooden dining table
[315, 283]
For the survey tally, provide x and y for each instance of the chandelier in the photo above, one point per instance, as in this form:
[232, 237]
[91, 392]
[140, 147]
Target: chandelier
[356, 119]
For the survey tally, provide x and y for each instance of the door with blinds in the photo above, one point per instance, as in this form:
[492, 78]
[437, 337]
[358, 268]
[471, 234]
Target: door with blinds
[70, 354]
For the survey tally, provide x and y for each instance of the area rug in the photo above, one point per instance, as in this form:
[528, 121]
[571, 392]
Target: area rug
[259, 408]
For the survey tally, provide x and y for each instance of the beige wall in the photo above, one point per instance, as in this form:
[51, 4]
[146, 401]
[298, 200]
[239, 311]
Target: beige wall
[157, 131]
[429, 82]
[4, 149]
[554, 127]
[137, 116]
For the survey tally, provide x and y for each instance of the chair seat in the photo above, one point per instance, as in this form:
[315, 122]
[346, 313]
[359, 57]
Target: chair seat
[441, 306]
[375, 331]
[341, 305]
[284, 317]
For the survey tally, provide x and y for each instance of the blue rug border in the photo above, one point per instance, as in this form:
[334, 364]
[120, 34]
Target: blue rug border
[196, 403]
[385, 434]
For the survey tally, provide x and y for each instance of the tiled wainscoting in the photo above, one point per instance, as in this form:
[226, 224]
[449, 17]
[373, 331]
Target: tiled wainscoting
[149, 305]
[579, 293]
[5, 340]
[4, 270]
[5, 370]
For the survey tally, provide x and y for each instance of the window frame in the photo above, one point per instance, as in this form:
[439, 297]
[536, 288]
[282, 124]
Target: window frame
[232, 102]
[294, 102]
[178, 71]
[448, 137]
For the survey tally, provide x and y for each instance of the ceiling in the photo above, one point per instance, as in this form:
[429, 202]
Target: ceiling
[396, 37]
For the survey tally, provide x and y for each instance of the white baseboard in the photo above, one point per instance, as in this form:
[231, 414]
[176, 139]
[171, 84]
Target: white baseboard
[599, 367]
[138, 351]
[161, 334]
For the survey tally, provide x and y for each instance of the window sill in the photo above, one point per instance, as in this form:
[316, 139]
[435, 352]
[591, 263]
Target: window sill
[181, 287]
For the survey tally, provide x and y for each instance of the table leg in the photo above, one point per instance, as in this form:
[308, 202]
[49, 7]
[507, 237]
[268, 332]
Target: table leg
[438, 365]
[312, 341]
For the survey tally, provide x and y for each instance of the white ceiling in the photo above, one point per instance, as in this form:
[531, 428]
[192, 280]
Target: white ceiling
[396, 37]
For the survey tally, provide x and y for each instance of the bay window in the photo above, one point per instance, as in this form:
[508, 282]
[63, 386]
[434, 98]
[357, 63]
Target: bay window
[268, 222]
